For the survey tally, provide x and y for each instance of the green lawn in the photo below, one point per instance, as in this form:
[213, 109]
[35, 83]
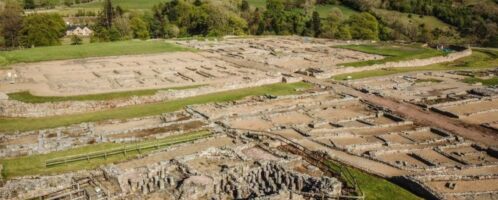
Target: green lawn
[488, 82]
[131, 47]
[257, 3]
[480, 59]
[392, 53]
[23, 124]
[376, 188]
[35, 164]
[27, 97]
[373, 188]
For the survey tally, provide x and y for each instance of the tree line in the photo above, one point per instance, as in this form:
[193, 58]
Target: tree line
[19, 30]
[186, 18]
[211, 18]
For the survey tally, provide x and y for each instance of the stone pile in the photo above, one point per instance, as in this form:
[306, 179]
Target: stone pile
[271, 178]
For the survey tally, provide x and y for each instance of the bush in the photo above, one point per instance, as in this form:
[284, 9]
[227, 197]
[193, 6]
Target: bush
[75, 40]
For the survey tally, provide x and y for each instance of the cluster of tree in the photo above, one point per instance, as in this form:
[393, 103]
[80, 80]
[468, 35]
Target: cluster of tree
[18, 30]
[477, 23]
[185, 18]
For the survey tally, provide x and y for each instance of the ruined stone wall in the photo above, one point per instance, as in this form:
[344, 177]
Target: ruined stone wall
[410, 63]
[12, 108]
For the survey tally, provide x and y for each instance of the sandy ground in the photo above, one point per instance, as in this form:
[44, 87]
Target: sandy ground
[466, 186]
[473, 107]
[122, 73]
[177, 152]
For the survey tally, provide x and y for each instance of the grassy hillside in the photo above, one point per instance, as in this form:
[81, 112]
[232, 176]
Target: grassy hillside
[126, 4]
[390, 16]
[86, 50]
[147, 4]
[325, 9]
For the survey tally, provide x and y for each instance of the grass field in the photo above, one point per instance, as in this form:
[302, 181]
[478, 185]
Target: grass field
[23, 124]
[126, 4]
[488, 82]
[376, 188]
[131, 47]
[431, 22]
[480, 59]
[372, 187]
[392, 53]
[324, 10]
[27, 97]
[35, 164]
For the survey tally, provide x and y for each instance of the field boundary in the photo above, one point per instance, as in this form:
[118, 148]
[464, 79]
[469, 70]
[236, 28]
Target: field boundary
[127, 148]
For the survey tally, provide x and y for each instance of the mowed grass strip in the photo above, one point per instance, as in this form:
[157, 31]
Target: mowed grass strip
[392, 53]
[131, 47]
[373, 188]
[487, 82]
[35, 164]
[10, 125]
[27, 97]
[480, 59]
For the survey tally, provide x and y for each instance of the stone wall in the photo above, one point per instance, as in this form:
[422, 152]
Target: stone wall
[12, 108]
[410, 63]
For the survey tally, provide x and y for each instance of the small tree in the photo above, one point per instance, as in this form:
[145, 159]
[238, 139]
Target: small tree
[139, 28]
[29, 4]
[316, 23]
[245, 5]
[11, 22]
[76, 40]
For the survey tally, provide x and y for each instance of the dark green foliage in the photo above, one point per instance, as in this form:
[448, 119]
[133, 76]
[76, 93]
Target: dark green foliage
[364, 26]
[42, 30]
[139, 28]
[29, 4]
[75, 40]
[244, 6]
[11, 23]
[108, 14]
[316, 23]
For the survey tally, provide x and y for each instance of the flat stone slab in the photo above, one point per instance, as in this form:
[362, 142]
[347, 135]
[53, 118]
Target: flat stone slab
[3, 96]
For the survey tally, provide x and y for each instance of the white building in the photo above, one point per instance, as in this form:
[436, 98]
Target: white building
[78, 31]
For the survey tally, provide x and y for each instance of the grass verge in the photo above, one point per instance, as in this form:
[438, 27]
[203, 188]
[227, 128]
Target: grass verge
[480, 59]
[488, 82]
[35, 164]
[373, 188]
[24, 124]
[27, 97]
[132, 47]
[392, 53]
